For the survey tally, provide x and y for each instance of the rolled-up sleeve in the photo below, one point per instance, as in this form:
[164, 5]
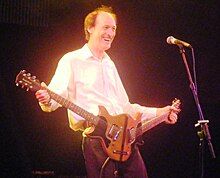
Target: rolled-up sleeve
[59, 83]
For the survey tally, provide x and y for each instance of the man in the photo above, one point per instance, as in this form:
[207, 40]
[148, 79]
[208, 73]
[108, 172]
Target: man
[89, 78]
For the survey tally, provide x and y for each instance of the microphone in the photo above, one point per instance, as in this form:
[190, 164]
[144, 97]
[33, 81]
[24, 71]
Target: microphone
[172, 40]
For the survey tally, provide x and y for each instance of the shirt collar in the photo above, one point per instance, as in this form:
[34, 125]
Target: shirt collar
[87, 54]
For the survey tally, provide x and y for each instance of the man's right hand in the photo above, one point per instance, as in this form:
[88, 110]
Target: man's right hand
[43, 95]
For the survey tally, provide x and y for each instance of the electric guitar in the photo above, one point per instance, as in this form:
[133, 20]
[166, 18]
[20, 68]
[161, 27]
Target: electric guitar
[116, 133]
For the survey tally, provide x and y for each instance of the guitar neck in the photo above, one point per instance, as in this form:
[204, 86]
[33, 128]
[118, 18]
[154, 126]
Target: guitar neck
[149, 124]
[76, 109]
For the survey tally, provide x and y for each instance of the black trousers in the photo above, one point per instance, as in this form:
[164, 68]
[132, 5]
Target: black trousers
[98, 165]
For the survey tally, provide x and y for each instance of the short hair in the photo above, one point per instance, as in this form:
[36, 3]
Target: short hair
[91, 18]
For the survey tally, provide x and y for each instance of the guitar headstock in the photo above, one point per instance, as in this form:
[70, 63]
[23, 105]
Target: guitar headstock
[176, 103]
[25, 80]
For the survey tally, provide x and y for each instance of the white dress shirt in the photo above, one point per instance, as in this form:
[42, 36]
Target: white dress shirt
[89, 82]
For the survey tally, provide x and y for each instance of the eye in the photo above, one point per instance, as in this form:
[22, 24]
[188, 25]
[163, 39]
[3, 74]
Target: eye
[113, 29]
[106, 27]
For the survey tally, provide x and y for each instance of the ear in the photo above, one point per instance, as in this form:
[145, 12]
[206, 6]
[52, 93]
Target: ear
[90, 30]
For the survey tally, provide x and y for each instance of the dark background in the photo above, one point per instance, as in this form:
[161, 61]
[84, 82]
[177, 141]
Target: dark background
[152, 71]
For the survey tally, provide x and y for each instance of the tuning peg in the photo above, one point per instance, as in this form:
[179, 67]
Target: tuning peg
[175, 99]
[27, 89]
[28, 74]
[17, 84]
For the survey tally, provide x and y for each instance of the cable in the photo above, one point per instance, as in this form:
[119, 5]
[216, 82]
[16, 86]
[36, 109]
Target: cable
[103, 166]
[194, 70]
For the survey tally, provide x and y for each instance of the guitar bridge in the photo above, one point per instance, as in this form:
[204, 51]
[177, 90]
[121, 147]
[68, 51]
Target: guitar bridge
[120, 152]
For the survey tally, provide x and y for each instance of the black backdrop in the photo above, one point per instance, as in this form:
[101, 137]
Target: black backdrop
[152, 72]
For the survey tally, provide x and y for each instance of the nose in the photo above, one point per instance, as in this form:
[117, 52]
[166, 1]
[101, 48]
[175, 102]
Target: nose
[111, 32]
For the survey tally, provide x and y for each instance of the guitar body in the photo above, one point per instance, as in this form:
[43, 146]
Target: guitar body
[113, 133]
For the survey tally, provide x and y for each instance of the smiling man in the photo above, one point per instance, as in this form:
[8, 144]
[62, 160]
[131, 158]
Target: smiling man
[89, 78]
[100, 34]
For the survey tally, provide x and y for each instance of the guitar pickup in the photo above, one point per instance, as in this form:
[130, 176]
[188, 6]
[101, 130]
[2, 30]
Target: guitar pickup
[114, 132]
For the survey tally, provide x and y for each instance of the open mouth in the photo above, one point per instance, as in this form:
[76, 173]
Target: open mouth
[107, 39]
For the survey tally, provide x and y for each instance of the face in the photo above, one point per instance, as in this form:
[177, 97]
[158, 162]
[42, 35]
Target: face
[103, 33]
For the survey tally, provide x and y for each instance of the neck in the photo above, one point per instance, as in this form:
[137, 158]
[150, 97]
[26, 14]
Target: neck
[96, 51]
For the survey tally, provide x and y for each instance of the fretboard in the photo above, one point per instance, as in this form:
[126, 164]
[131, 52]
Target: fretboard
[76, 109]
[149, 124]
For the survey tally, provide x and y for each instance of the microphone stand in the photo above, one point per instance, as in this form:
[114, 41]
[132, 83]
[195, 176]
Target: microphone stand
[204, 132]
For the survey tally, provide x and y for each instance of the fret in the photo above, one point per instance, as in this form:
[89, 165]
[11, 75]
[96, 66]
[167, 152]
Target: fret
[65, 103]
[60, 100]
[68, 105]
[138, 131]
